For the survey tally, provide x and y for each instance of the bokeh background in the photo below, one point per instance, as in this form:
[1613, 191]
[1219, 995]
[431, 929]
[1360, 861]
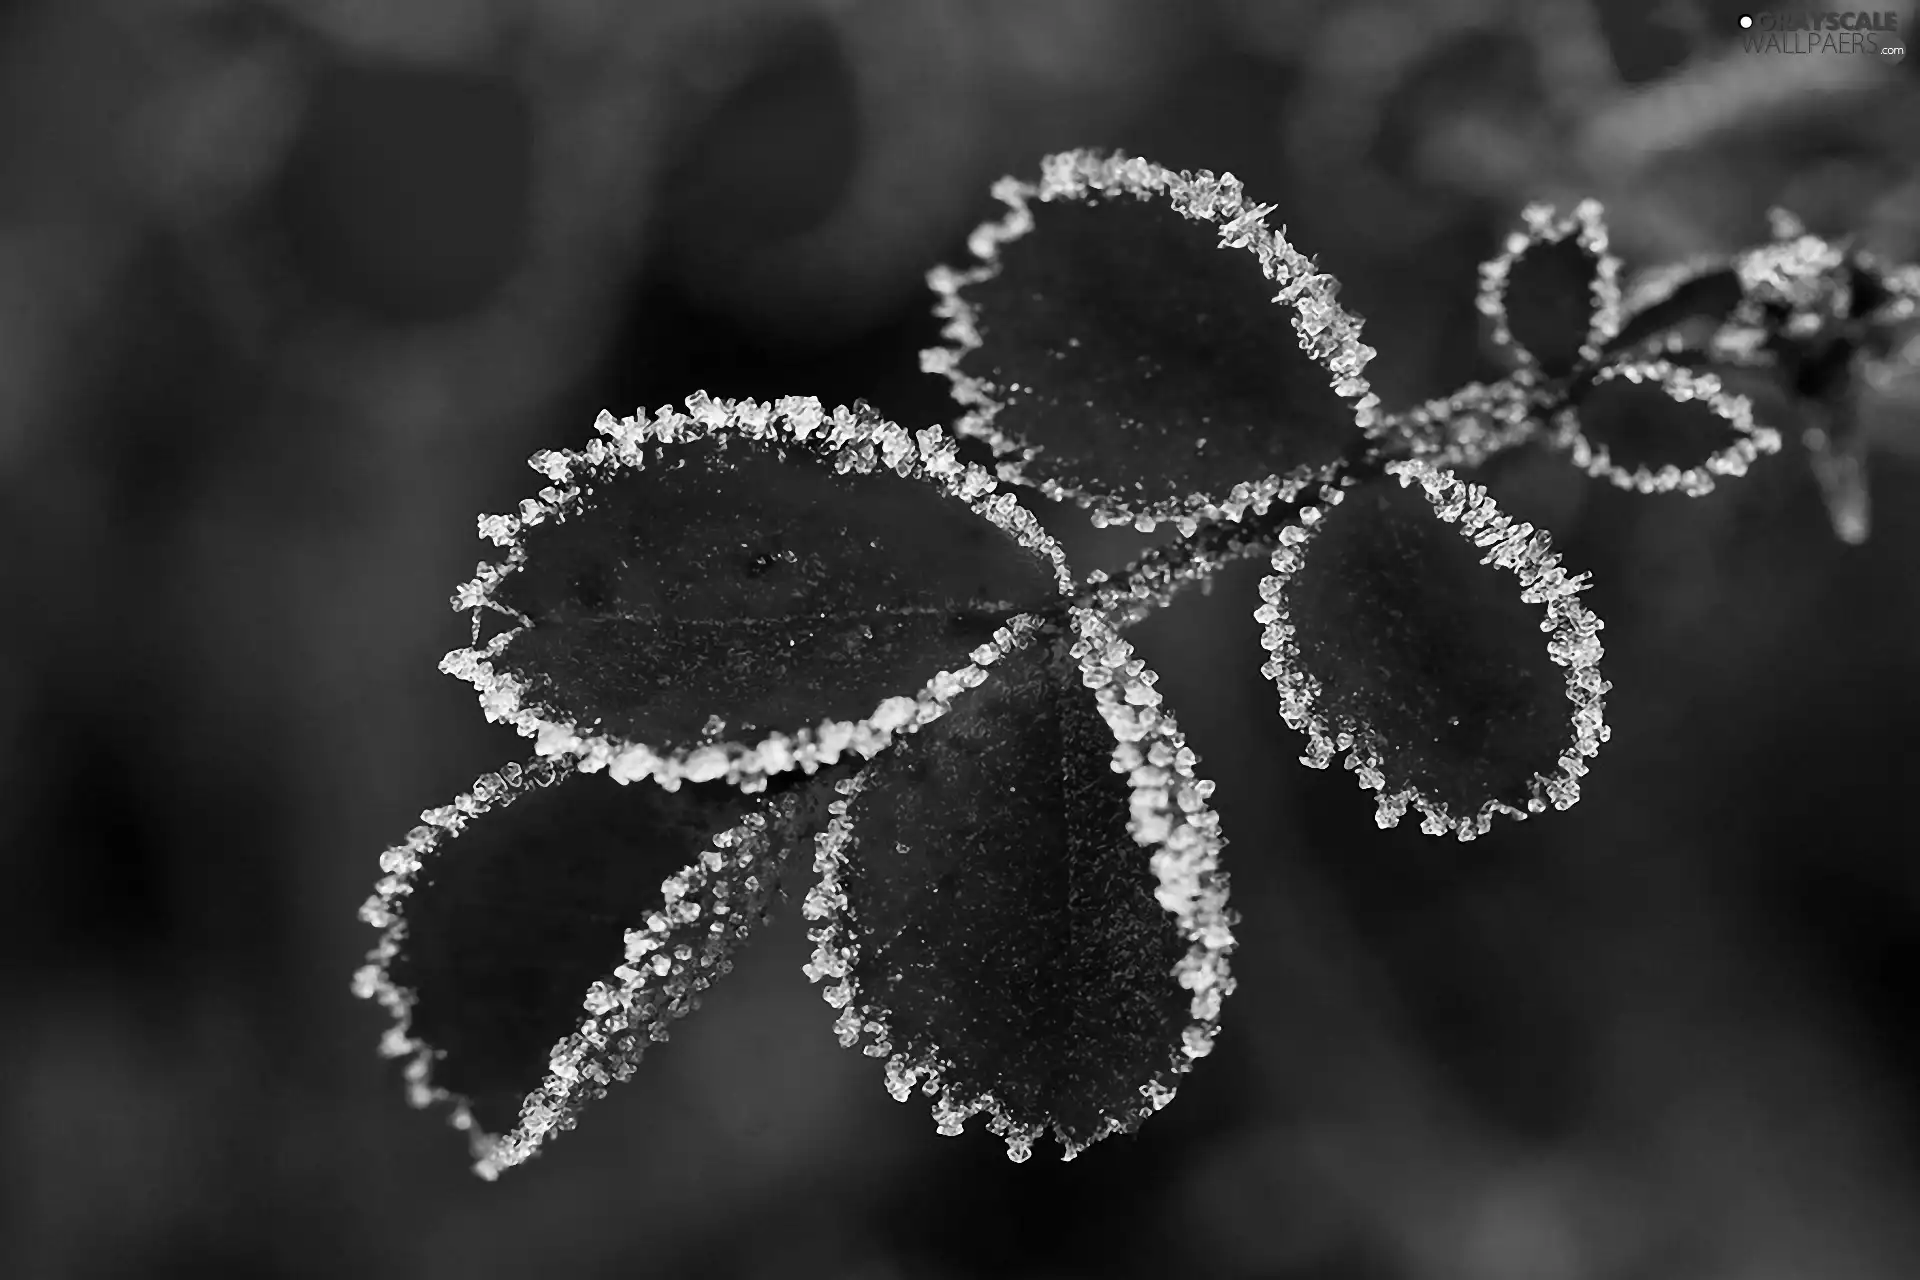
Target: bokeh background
[289, 291]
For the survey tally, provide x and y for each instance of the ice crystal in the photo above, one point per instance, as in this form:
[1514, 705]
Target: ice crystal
[1468, 426]
[1800, 273]
[1156, 576]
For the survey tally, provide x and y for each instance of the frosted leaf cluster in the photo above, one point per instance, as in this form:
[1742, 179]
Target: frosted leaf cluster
[1021, 909]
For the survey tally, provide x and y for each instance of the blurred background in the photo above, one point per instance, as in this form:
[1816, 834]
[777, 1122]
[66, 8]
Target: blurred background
[289, 291]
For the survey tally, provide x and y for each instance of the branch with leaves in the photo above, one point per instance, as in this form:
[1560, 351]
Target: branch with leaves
[741, 632]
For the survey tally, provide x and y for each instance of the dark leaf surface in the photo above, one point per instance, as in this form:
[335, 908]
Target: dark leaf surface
[1553, 294]
[1022, 911]
[1122, 344]
[1690, 303]
[540, 931]
[1392, 641]
[748, 588]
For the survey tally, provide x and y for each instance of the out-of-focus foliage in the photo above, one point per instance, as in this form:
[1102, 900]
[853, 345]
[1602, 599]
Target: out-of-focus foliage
[287, 289]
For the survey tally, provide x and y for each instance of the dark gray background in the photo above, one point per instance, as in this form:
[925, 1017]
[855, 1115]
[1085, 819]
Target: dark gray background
[289, 292]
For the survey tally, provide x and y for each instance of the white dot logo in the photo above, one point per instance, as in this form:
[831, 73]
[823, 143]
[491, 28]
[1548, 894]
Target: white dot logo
[1746, 19]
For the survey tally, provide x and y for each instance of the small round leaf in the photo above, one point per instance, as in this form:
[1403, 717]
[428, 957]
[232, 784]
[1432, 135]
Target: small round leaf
[1653, 427]
[1397, 639]
[1121, 344]
[1553, 292]
[540, 931]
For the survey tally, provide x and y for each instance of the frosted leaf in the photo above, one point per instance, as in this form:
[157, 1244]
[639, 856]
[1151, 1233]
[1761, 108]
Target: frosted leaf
[1653, 427]
[1553, 292]
[1021, 904]
[1680, 305]
[541, 931]
[1395, 637]
[1120, 342]
[746, 588]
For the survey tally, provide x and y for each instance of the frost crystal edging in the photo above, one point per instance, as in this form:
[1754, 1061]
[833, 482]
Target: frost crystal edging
[1515, 546]
[668, 962]
[1158, 574]
[1327, 332]
[1798, 274]
[1682, 386]
[1168, 814]
[1540, 227]
[1469, 426]
[852, 441]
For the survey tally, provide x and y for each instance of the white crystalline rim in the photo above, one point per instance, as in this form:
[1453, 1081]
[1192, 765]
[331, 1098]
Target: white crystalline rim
[1517, 547]
[852, 442]
[1327, 332]
[1170, 816]
[1470, 425]
[1540, 226]
[1797, 271]
[1683, 386]
[634, 1000]
[1804, 273]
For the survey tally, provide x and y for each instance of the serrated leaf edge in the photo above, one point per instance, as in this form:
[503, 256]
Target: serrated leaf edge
[1682, 386]
[658, 981]
[1327, 332]
[1542, 225]
[1514, 546]
[1169, 814]
[853, 440]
